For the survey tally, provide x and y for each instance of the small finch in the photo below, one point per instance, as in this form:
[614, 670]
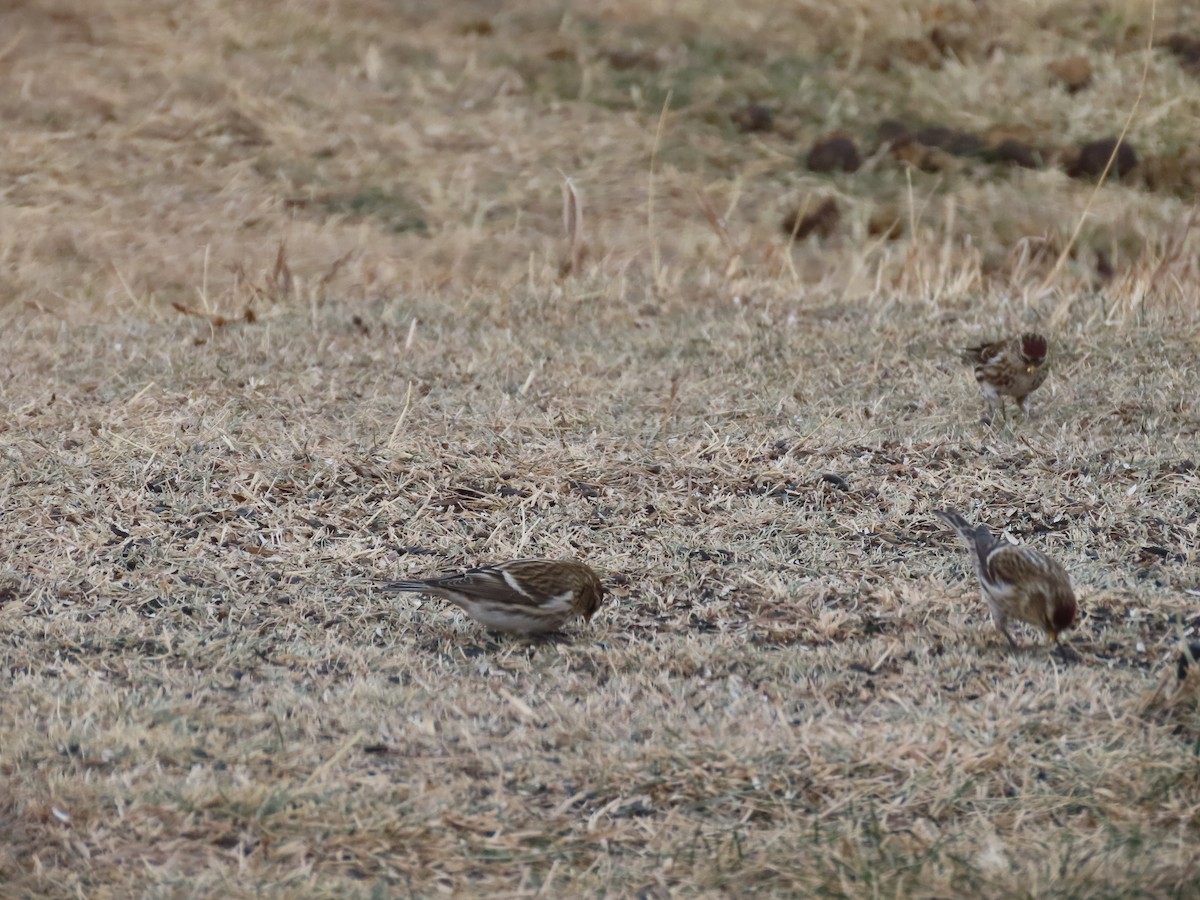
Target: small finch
[524, 596]
[1012, 368]
[1017, 582]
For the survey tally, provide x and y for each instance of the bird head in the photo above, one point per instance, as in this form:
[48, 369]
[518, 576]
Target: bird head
[1033, 349]
[1062, 614]
[591, 595]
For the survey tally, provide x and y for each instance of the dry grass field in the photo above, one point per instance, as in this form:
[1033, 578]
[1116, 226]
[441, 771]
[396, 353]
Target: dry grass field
[288, 308]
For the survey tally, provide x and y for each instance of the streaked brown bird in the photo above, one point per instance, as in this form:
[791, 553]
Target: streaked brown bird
[1017, 582]
[523, 596]
[1013, 368]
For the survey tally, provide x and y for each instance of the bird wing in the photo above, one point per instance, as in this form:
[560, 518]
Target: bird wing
[490, 583]
[1011, 564]
[983, 353]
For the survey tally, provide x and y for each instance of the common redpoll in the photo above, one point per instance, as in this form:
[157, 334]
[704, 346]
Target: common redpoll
[525, 596]
[1017, 582]
[1012, 368]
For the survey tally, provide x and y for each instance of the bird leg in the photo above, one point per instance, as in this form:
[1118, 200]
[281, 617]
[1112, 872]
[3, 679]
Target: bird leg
[1002, 624]
[991, 402]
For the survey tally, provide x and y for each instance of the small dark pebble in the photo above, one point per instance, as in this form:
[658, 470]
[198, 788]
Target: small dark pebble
[590, 491]
[1016, 153]
[721, 556]
[1093, 157]
[836, 153]
[1187, 49]
[635, 810]
[836, 480]
[953, 141]
[1185, 660]
[624, 60]
[753, 117]
[893, 131]
[822, 221]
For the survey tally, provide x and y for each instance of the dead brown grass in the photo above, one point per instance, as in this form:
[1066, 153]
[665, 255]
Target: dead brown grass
[289, 309]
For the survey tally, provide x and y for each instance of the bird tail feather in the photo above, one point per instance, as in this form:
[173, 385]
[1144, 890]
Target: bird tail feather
[978, 538]
[409, 586]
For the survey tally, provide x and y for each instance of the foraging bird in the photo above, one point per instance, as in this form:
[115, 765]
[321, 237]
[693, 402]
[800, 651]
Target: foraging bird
[523, 596]
[1017, 582]
[1011, 368]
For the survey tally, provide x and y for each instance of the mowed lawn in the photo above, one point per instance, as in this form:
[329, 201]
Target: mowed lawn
[288, 309]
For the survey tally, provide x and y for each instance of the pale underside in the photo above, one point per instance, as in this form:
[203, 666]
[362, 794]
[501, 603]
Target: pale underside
[497, 615]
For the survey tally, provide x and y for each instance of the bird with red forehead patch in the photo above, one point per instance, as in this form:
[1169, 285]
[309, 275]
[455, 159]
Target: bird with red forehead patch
[1018, 583]
[1013, 368]
[522, 596]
